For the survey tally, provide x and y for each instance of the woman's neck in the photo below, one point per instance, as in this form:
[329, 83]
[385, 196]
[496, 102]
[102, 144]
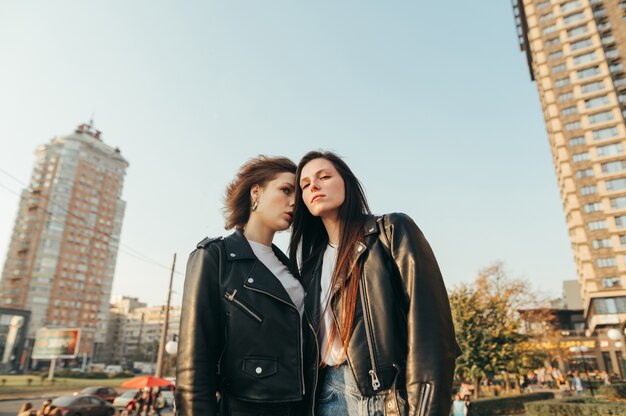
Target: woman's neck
[259, 233]
[333, 226]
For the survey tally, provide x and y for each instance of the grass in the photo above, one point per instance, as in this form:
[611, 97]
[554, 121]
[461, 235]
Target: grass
[18, 384]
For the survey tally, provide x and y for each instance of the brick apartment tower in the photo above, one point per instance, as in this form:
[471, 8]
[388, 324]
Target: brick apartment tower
[63, 250]
[576, 51]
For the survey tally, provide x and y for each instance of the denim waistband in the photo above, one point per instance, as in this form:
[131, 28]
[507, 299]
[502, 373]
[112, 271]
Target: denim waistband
[341, 378]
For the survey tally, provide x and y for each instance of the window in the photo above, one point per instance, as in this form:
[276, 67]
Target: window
[543, 5]
[570, 5]
[549, 29]
[562, 82]
[546, 17]
[579, 30]
[613, 53]
[552, 42]
[599, 12]
[609, 282]
[597, 225]
[576, 141]
[600, 117]
[568, 111]
[573, 125]
[606, 262]
[615, 184]
[593, 207]
[555, 55]
[589, 190]
[579, 157]
[620, 221]
[615, 68]
[597, 101]
[558, 68]
[601, 243]
[613, 167]
[604, 133]
[579, 44]
[576, 17]
[618, 203]
[606, 40]
[584, 173]
[610, 305]
[584, 58]
[588, 72]
[591, 87]
[566, 96]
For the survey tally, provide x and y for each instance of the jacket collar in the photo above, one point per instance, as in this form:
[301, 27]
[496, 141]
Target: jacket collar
[237, 247]
[255, 275]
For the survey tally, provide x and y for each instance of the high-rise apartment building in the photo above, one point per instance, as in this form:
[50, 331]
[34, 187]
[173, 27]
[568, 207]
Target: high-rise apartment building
[64, 246]
[576, 51]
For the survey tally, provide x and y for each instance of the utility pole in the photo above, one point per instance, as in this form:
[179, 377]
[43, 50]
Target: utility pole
[159, 366]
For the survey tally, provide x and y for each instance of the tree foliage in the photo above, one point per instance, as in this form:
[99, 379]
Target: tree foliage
[489, 328]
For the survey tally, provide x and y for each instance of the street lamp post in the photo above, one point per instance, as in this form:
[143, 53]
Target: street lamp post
[581, 349]
[161, 356]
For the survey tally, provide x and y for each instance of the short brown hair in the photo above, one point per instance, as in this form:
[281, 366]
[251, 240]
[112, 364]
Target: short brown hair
[257, 171]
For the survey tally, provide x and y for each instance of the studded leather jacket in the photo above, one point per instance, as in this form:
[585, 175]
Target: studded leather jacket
[403, 336]
[240, 333]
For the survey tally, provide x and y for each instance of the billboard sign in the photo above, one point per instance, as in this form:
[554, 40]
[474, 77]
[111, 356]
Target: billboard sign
[56, 343]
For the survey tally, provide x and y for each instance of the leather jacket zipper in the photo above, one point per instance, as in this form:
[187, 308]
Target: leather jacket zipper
[231, 297]
[425, 397]
[368, 335]
[316, 365]
[299, 332]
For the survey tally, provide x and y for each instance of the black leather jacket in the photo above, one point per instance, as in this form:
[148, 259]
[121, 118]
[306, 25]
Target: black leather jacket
[240, 333]
[403, 336]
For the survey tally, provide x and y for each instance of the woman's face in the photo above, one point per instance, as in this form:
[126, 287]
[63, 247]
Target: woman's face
[276, 201]
[323, 188]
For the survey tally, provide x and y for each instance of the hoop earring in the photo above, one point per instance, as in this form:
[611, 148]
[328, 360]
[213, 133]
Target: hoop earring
[255, 205]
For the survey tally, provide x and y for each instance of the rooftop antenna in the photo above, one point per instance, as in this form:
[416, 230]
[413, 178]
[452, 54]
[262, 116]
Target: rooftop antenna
[91, 120]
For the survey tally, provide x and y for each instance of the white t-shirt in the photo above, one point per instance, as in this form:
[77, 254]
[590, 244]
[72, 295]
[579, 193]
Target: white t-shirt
[293, 287]
[334, 354]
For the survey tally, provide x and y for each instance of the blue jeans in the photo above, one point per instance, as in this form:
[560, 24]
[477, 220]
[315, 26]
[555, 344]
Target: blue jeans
[340, 396]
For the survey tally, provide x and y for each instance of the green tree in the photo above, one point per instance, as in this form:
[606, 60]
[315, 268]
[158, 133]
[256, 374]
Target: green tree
[489, 327]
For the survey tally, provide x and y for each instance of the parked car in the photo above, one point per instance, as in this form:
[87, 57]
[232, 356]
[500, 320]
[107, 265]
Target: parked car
[122, 400]
[83, 406]
[105, 393]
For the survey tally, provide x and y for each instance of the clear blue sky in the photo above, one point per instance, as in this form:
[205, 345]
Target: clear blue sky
[430, 103]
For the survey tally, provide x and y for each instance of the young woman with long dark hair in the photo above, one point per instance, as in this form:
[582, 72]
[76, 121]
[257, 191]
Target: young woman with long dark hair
[376, 298]
[241, 333]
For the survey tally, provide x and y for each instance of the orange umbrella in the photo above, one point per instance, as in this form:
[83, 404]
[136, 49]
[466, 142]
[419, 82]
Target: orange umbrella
[145, 381]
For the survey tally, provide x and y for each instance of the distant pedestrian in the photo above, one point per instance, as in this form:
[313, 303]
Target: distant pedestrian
[44, 406]
[459, 406]
[27, 410]
[606, 378]
[577, 384]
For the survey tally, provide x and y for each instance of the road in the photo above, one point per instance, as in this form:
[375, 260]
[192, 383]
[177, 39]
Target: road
[11, 407]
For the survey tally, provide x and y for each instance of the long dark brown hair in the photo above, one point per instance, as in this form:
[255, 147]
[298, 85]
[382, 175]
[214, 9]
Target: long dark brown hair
[308, 232]
[257, 171]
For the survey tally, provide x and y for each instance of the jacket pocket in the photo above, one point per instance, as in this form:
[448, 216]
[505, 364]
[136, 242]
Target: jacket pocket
[260, 367]
[232, 298]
